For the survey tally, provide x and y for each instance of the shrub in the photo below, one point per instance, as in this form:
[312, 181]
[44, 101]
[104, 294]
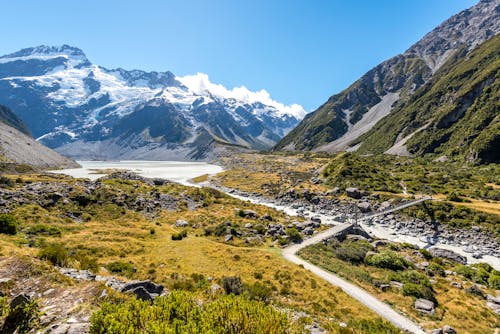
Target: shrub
[494, 281]
[353, 251]
[453, 197]
[55, 253]
[435, 269]
[232, 285]
[22, 318]
[425, 253]
[387, 260]
[418, 291]
[8, 224]
[45, 230]
[182, 312]
[5, 182]
[119, 267]
[259, 291]
[294, 235]
[179, 236]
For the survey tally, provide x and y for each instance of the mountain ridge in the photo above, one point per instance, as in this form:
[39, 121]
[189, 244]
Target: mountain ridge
[328, 128]
[65, 99]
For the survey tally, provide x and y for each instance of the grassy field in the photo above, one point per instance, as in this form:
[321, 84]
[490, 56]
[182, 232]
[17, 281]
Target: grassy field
[113, 240]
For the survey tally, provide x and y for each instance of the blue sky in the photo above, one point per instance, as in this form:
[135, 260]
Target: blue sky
[300, 51]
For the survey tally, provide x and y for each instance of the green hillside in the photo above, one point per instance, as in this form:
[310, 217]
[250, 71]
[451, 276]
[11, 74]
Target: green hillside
[459, 108]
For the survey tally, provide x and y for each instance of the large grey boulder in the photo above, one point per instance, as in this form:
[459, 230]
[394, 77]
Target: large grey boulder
[353, 193]
[181, 223]
[448, 254]
[424, 306]
[147, 284]
[365, 207]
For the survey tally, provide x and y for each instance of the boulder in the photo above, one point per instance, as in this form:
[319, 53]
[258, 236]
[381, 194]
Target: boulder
[365, 207]
[250, 214]
[457, 285]
[424, 306]
[141, 293]
[181, 223]
[437, 331]
[475, 290]
[353, 193]
[308, 231]
[147, 285]
[493, 299]
[18, 318]
[448, 254]
[449, 330]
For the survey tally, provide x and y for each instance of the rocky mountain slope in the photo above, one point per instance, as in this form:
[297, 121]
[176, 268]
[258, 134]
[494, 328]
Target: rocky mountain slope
[346, 116]
[88, 111]
[18, 147]
[462, 112]
[8, 117]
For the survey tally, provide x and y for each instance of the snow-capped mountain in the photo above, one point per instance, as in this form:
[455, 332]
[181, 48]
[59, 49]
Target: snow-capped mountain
[87, 111]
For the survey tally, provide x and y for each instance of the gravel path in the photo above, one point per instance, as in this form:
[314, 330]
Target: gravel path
[359, 294]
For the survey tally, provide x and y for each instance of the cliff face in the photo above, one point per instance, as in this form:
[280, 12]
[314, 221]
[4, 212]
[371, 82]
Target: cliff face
[18, 148]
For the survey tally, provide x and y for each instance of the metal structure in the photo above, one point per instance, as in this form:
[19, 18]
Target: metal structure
[352, 212]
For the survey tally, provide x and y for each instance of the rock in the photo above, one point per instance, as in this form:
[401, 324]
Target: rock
[475, 290]
[365, 207]
[456, 285]
[18, 316]
[385, 287]
[141, 293]
[448, 254]
[355, 237]
[316, 219]
[396, 284]
[181, 223]
[424, 306]
[308, 231]
[248, 225]
[437, 331]
[493, 299]
[379, 243]
[353, 193]
[250, 214]
[449, 330]
[267, 217]
[228, 237]
[147, 285]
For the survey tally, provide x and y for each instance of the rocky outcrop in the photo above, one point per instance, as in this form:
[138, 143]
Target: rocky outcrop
[424, 306]
[448, 254]
[18, 148]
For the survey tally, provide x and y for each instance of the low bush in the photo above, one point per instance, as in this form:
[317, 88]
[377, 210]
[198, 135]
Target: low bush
[418, 291]
[352, 251]
[387, 260]
[42, 229]
[122, 268]
[294, 234]
[8, 224]
[185, 312]
[55, 253]
[179, 236]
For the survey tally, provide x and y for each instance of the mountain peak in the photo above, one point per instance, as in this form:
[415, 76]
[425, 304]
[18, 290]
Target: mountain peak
[45, 50]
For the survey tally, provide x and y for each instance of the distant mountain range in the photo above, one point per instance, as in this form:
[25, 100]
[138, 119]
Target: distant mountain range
[89, 112]
[440, 97]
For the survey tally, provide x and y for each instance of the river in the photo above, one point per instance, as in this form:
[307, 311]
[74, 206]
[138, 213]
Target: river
[177, 171]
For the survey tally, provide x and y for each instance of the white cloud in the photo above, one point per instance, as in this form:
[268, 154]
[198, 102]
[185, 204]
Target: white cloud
[201, 85]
